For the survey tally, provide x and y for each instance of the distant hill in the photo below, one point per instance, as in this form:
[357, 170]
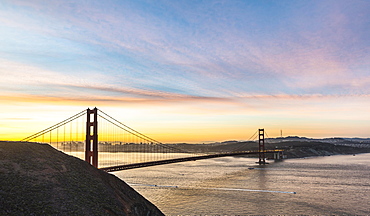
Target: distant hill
[300, 149]
[337, 140]
[36, 179]
[293, 147]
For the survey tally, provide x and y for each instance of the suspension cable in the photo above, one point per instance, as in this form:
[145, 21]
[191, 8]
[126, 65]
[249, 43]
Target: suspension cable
[244, 144]
[33, 136]
[136, 133]
[147, 138]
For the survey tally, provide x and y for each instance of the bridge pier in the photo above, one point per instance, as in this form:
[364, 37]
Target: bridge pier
[277, 156]
[91, 145]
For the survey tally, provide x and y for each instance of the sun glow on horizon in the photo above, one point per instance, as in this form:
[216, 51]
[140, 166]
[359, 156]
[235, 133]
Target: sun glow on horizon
[192, 127]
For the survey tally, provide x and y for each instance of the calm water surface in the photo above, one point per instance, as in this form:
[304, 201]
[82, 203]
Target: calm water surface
[237, 186]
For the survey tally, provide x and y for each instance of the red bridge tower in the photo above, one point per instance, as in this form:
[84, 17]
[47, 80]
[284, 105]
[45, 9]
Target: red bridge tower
[91, 148]
[261, 146]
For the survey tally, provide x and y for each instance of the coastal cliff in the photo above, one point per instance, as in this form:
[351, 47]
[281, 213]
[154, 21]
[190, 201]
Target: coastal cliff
[36, 179]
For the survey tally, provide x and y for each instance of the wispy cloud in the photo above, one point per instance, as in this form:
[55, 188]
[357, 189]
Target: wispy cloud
[308, 60]
[220, 57]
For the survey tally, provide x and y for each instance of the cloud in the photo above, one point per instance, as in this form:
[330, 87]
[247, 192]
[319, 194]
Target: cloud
[40, 82]
[201, 51]
[32, 84]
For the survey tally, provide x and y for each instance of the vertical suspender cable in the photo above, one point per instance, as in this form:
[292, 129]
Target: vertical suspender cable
[57, 138]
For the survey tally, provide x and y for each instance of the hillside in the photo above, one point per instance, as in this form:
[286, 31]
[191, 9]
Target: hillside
[36, 179]
[292, 149]
[295, 149]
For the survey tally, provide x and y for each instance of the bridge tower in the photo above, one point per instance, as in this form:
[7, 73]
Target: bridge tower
[91, 145]
[261, 146]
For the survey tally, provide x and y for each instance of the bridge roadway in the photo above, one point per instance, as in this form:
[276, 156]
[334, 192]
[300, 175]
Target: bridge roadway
[177, 160]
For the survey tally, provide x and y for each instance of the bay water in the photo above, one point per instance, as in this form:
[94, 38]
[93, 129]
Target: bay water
[331, 185]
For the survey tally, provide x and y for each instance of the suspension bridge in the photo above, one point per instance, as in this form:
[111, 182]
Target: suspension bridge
[110, 145]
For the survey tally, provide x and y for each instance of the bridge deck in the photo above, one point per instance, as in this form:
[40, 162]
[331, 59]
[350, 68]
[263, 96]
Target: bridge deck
[177, 160]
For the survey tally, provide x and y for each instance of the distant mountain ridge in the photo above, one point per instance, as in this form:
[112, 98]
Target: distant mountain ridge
[293, 146]
[334, 140]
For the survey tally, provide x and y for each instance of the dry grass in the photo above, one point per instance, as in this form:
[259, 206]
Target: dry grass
[39, 180]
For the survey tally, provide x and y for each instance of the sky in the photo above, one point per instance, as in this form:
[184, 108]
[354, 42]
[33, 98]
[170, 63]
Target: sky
[188, 71]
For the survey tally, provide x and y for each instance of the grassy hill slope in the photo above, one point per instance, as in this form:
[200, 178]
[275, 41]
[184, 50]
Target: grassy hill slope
[36, 179]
